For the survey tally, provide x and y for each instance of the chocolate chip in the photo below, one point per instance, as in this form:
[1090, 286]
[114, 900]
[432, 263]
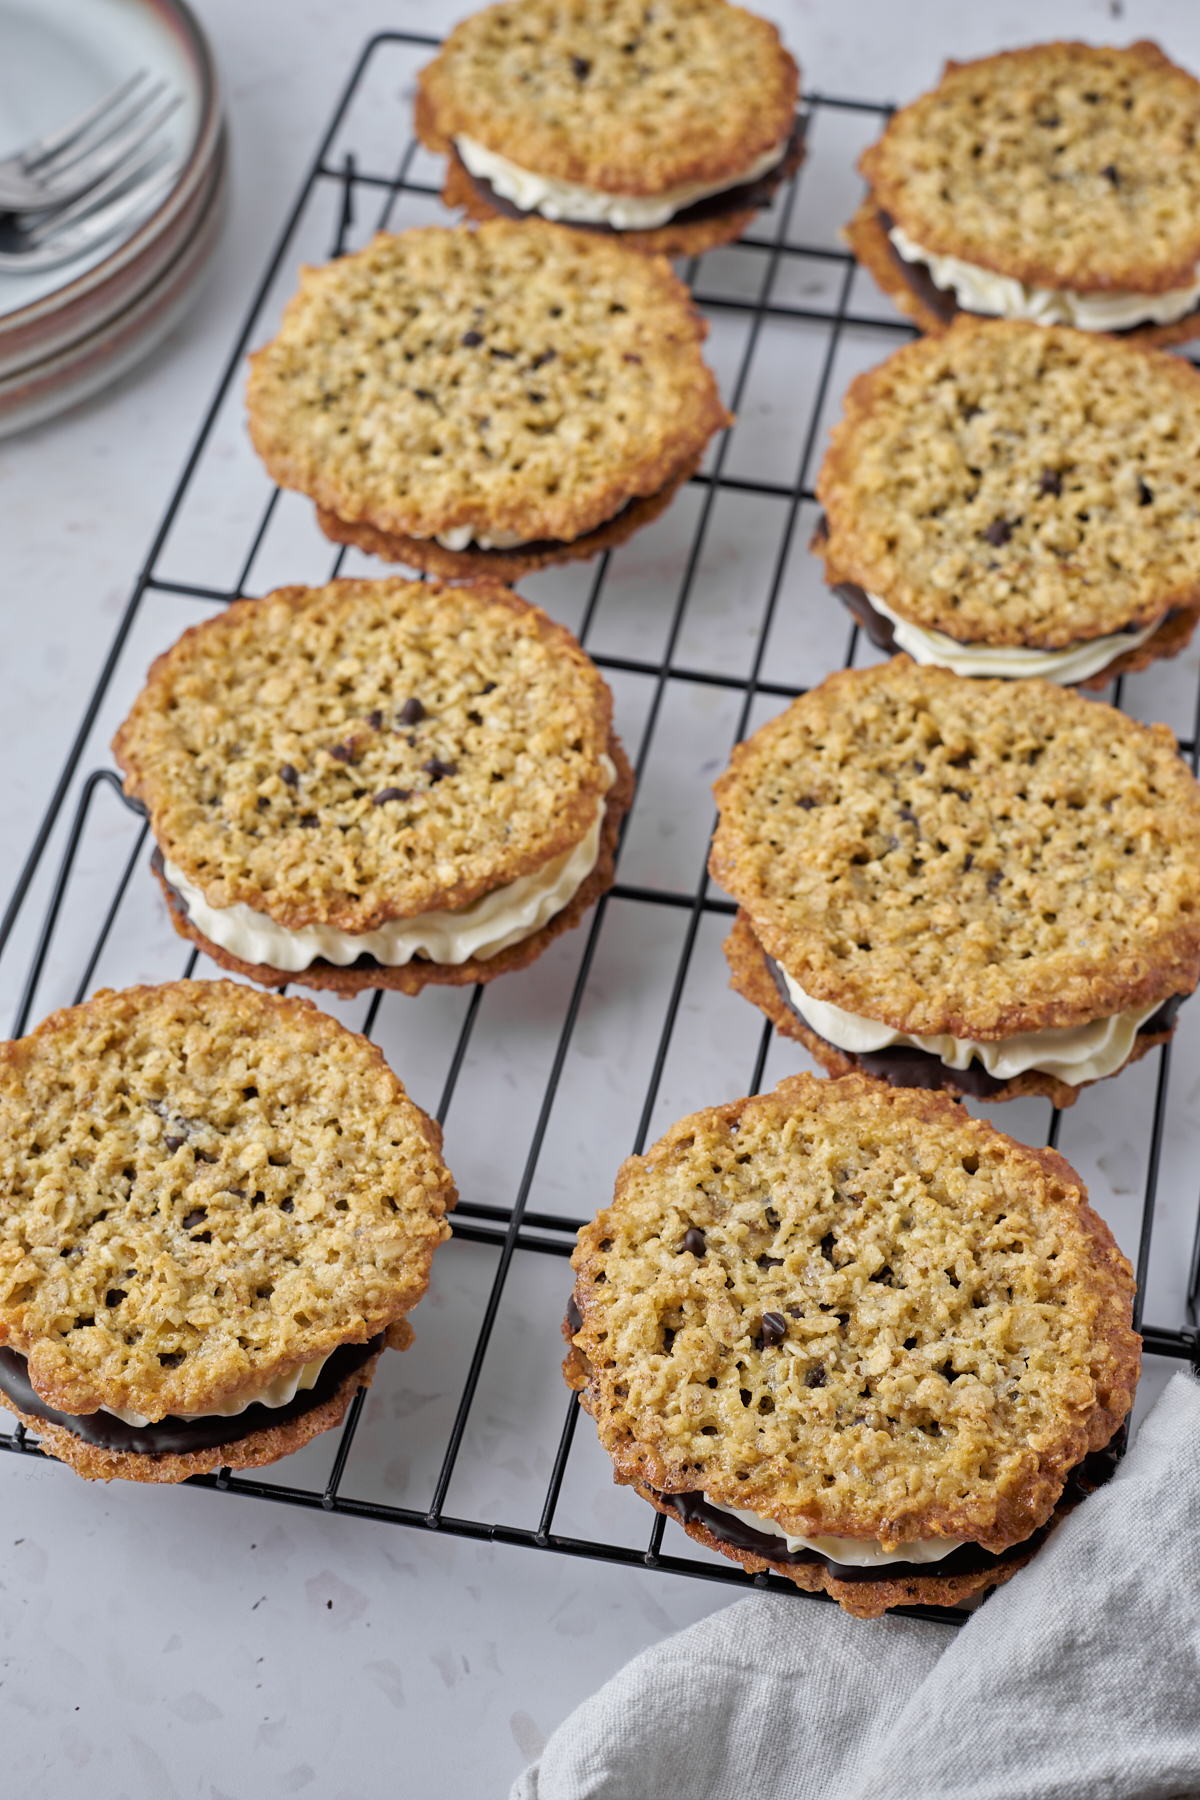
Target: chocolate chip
[505, 355]
[489, 687]
[998, 532]
[1050, 482]
[343, 752]
[287, 1206]
[581, 67]
[375, 721]
[907, 814]
[471, 339]
[196, 1217]
[423, 394]
[816, 1377]
[437, 770]
[547, 356]
[1110, 174]
[386, 794]
[968, 863]
[288, 774]
[919, 767]
[693, 1240]
[1145, 494]
[535, 399]
[308, 820]
[806, 803]
[770, 1262]
[172, 1360]
[114, 1296]
[994, 880]
[774, 1328]
[630, 357]
[263, 803]
[411, 713]
[173, 1144]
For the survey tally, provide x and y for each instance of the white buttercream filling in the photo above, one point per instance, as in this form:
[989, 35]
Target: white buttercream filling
[461, 536]
[856, 1553]
[1073, 1053]
[1075, 663]
[570, 203]
[489, 925]
[1001, 296]
[280, 1391]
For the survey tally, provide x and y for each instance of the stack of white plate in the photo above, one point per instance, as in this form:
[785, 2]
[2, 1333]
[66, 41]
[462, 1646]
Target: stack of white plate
[69, 331]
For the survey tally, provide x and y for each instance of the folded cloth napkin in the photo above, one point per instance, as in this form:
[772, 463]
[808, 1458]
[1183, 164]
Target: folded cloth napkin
[1078, 1680]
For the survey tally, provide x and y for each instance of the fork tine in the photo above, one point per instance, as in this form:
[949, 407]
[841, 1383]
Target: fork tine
[60, 246]
[64, 168]
[113, 185]
[54, 141]
[113, 157]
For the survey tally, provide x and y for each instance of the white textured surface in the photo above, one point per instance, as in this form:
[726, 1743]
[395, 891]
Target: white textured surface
[148, 1650]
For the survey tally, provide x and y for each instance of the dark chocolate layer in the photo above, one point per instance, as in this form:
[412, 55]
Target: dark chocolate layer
[750, 196]
[942, 302]
[173, 1436]
[1095, 1469]
[904, 1065]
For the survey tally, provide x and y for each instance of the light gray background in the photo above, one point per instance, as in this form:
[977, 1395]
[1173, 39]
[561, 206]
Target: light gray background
[178, 1643]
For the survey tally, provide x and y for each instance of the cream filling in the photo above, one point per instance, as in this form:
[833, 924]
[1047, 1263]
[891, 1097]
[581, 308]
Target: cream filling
[1075, 663]
[1074, 1053]
[856, 1553]
[1000, 296]
[461, 536]
[489, 925]
[570, 203]
[283, 1389]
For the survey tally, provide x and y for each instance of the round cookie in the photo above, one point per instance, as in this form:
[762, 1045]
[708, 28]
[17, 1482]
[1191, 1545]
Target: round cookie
[864, 1322]
[211, 1196]
[1020, 500]
[991, 887]
[378, 783]
[507, 392]
[1059, 182]
[667, 127]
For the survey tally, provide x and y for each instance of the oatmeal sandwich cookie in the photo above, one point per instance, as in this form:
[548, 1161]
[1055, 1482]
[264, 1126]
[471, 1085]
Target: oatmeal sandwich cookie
[991, 887]
[1012, 499]
[486, 402]
[668, 126]
[377, 784]
[219, 1207]
[1060, 183]
[854, 1336]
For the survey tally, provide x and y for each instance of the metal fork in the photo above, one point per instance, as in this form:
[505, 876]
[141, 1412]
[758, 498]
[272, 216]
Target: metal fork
[102, 142]
[110, 207]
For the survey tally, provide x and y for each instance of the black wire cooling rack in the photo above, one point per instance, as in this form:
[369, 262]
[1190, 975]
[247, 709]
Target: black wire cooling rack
[708, 622]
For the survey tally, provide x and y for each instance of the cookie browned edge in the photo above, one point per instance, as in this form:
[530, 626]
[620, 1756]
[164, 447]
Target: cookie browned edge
[411, 977]
[1173, 635]
[873, 249]
[505, 565]
[691, 239]
[95, 1463]
[750, 977]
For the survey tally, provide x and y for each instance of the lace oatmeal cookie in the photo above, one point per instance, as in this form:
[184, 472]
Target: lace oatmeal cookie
[1011, 484]
[973, 859]
[611, 94]
[207, 1189]
[368, 751]
[473, 564]
[759, 979]
[1063, 165]
[911, 289]
[516, 382]
[859, 1314]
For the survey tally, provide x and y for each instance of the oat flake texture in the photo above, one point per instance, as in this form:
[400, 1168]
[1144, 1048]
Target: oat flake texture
[957, 1318]
[205, 1187]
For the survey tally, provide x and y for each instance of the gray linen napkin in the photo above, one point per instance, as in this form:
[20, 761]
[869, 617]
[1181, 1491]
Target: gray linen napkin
[1079, 1680]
